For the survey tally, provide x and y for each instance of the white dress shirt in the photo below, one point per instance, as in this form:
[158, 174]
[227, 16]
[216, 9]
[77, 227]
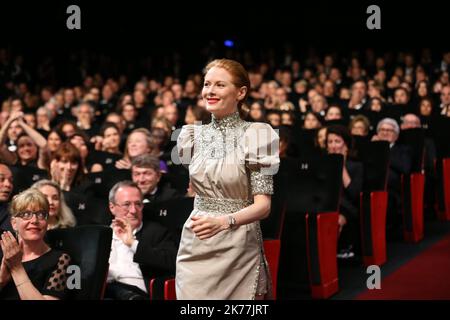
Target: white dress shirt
[122, 268]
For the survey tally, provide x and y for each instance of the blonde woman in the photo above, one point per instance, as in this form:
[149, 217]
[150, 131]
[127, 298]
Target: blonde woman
[30, 269]
[60, 215]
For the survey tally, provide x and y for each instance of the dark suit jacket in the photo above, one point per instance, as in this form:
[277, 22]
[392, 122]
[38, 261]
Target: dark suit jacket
[156, 252]
[164, 192]
[5, 221]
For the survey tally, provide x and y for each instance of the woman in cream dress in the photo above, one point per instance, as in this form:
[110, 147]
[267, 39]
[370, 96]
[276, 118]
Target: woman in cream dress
[231, 166]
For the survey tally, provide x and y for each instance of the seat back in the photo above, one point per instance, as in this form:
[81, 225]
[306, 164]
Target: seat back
[375, 158]
[314, 183]
[272, 226]
[171, 213]
[310, 185]
[178, 177]
[415, 140]
[105, 180]
[89, 248]
[25, 176]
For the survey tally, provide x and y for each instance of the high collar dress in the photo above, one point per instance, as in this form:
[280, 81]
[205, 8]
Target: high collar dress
[230, 161]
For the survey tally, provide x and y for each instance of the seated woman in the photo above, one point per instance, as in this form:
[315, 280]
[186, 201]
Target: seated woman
[28, 142]
[139, 142]
[107, 148]
[360, 126]
[66, 167]
[339, 141]
[54, 140]
[312, 121]
[60, 215]
[27, 151]
[31, 270]
[109, 139]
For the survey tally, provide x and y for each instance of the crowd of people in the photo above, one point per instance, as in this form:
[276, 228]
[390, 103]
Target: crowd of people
[102, 150]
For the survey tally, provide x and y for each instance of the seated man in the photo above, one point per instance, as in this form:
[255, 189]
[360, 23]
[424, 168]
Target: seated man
[146, 173]
[139, 252]
[6, 188]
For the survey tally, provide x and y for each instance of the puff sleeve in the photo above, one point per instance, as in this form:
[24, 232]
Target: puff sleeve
[185, 144]
[261, 156]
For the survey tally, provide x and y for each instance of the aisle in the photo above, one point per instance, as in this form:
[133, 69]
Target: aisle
[426, 276]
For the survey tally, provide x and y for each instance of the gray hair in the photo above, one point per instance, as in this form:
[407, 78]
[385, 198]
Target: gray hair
[390, 122]
[46, 110]
[91, 108]
[121, 184]
[146, 161]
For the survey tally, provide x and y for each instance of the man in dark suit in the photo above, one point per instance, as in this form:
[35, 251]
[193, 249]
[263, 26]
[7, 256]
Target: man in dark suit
[146, 173]
[6, 188]
[139, 251]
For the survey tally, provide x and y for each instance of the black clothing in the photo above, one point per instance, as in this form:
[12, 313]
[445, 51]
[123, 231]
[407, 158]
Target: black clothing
[47, 273]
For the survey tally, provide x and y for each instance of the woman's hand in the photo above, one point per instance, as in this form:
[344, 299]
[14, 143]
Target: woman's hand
[54, 171]
[12, 251]
[342, 221]
[122, 228]
[205, 227]
[16, 115]
[61, 176]
[123, 164]
[97, 141]
[107, 143]
[303, 105]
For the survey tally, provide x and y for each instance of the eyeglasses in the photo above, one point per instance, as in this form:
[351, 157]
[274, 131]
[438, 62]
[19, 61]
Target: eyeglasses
[27, 215]
[127, 205]
[386, 130]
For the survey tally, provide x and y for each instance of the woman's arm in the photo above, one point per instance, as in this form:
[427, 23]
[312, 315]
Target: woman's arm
[206, 227]
[40, 141]
[25, 288]
[13, 253]
[13, 116]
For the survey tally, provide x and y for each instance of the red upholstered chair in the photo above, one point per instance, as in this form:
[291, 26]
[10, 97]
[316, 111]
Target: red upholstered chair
[444, 208]
[413, 187]
[374, 198]
[169, 290]
[162, 288]
[322, 235]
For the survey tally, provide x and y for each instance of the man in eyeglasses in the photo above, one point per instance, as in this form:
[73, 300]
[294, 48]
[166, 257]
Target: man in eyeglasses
[6, 188]
[139, 251]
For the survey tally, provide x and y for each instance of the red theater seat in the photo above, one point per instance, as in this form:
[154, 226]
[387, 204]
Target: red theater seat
[444, 213]
[322, 235]
[413, 207]
[373, 227]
